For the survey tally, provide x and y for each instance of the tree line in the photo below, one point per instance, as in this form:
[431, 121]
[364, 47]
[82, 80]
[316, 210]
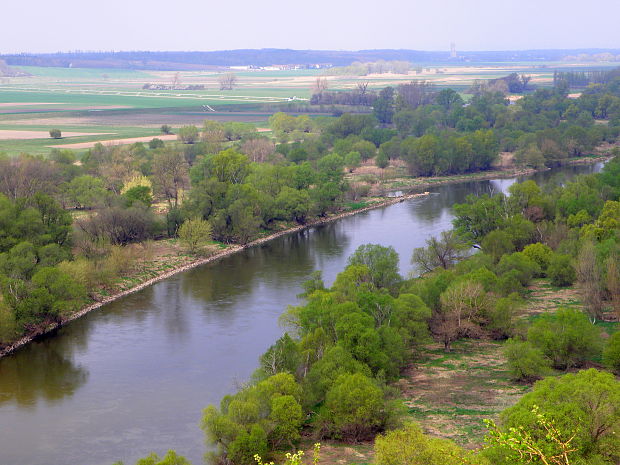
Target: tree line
[330, 375]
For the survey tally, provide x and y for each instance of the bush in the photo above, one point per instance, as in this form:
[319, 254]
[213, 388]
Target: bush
[156, 143]
[525, 267]
[410, 446]
[539, 253]
[195, 234]
[611, 353]
[525, 363]
[584, 404]
[354, 407]
[561, 271]
[567, 338]
[188, 134]
[55, 134]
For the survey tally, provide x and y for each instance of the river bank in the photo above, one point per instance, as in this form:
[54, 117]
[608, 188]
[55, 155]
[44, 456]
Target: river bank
[410, 183]
[399, 184]
[230, 250]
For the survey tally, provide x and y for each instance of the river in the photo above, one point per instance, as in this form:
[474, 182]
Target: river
[133, 376]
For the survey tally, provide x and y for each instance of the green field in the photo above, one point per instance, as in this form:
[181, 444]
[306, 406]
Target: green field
[113, 100]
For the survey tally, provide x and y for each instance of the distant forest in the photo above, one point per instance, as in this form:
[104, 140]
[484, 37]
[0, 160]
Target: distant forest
[266, 57]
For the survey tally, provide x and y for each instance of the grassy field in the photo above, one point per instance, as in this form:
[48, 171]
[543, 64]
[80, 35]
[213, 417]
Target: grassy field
[450, 394]
[112, 100]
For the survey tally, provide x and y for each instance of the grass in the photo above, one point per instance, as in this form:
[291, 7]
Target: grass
[451, 393]
[41, 146]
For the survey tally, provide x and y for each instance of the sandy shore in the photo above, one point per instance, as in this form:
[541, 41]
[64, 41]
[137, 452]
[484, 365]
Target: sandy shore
[198, 262]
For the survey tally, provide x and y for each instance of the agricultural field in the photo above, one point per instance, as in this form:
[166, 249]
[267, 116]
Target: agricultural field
[111, 104]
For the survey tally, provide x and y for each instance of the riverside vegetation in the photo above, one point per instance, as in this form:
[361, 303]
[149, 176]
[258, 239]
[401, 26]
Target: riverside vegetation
[332, 374]
[245, 185]
[67, 226]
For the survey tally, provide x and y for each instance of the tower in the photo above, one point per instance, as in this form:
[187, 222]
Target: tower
[452, 50]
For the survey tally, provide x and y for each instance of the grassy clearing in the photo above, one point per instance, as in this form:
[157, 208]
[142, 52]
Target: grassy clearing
[450, 394]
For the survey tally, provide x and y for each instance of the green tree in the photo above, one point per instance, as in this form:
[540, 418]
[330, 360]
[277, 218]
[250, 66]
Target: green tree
[584, 404]
[287, 416]
[381, 261]
[381, 160]
[354, 406]
[525, 363]
[445, 252]
[55, 134]
[567, 338]
[611, 353]
[561, 271]
[188, 134]
[352, 160]
[86, 191]
[195, 234]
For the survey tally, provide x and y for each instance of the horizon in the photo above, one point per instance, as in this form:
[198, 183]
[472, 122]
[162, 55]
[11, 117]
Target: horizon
[482, 25]
[447, 49]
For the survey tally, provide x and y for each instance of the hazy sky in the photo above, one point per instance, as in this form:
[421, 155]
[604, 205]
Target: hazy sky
[62, 25]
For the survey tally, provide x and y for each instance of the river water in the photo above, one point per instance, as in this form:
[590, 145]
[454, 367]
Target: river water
[133, 376]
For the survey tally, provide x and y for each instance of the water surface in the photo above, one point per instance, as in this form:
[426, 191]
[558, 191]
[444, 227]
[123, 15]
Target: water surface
[133, 376]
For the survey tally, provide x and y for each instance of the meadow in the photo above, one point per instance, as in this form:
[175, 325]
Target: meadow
[113, 100]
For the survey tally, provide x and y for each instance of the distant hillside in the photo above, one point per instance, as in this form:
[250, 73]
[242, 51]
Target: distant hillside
[266, 57]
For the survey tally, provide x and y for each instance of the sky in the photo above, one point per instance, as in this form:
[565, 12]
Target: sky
[67, 25]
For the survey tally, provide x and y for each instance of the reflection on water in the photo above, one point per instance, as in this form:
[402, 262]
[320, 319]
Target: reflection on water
[42, 370]
[133, 376]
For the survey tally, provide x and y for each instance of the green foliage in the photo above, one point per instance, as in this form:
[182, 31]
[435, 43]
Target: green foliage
[381, 261]
[55, 134]
[525, 362]
[188, 134]
[611, 353]
[195, 234]
[171, 458]
[86, 191]
[410, 446]
[567, 338]
[262, 415]
[353, 407]
[584, 404]
[521, 265]
[140, 194]
[561, 271]
[539, 253]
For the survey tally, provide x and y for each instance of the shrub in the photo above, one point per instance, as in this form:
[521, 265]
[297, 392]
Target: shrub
[410, 446]
[525, 363]
[525, 267]
[567, 338]
[156, 143]
[561, 271]
[354, 407]
[584, 404]
[55, 134]
[611, 353]
[539, 253]
[195, 234]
